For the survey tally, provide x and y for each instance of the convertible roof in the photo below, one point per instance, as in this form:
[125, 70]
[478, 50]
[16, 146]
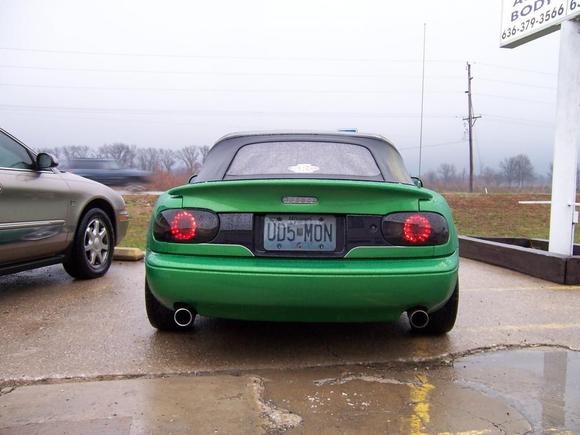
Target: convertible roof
[313, 133]
[222, 153]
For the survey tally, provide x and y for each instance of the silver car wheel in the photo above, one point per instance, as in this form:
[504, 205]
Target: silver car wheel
[96, 243]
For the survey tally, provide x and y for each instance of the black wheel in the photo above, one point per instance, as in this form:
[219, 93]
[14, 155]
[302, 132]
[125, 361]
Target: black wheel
[92, 249]
[442, 320]
[163, 318]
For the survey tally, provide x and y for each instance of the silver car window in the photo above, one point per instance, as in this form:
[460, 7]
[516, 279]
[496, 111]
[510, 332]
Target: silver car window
[13, 155]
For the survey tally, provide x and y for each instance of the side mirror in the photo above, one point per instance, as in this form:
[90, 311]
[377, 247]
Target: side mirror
[46, 161]
[192, 178]
[417, 181]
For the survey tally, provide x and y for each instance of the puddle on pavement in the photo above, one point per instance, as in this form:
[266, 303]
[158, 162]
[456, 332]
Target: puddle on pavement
[544, 386]
[512, 392]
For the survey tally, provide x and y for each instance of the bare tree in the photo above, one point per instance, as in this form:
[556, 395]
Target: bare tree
[524, 170]
[429, 178]
[149, 159]
[517, 169]
[447, 172]
[507, 167]
[190, 157]
[490, 176]
[72, 152]
[122, 153]
[167, 159]
[203, 150]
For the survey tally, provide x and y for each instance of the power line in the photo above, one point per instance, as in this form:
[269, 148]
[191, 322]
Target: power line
[526, 121]
[434, 145]
[262, 73]
[528, 100]
[210, 112]
[266, 58]
[116, 119]
[233, 57]
[529, 85]
[219, 73]
[101, 119]
[494, 65]
[215, 90]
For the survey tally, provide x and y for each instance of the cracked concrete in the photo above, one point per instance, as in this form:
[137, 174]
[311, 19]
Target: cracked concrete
[60, 334]
[275, 418]
[343, 379]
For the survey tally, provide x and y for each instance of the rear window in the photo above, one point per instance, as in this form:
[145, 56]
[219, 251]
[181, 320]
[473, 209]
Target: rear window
[304, 160]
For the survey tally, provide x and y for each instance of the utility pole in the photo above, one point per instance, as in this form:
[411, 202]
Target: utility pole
[470, 123]
[422, 99]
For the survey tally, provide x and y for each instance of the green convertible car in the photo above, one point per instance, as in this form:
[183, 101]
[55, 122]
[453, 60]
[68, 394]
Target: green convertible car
[316, 227]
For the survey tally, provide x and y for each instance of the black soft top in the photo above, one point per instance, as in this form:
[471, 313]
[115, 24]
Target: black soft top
[386, 156]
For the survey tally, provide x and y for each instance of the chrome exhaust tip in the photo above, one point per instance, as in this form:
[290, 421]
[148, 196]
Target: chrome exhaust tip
[183, 317]
[419, 319]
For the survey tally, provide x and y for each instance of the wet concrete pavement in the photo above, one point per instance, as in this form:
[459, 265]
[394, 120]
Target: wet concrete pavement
[511, 392]
[83, 358]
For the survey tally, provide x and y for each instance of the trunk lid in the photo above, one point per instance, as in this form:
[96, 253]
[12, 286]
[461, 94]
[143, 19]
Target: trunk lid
[327, 196]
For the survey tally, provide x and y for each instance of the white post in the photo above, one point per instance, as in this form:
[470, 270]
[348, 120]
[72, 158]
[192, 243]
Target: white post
[566, 142]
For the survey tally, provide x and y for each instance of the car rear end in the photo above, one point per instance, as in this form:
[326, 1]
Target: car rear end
[281, 247]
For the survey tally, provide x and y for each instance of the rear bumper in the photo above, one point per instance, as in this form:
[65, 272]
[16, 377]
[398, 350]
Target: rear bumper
[341, 290]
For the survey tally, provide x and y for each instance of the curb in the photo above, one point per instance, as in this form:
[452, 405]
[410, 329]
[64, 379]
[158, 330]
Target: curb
[128, 254]
[529, 256]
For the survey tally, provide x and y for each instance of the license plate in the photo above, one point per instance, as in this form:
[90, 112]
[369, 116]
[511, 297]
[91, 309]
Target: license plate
[299, 233]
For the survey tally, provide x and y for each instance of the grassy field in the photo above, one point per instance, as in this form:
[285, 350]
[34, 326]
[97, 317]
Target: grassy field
[475, 214]
[140, 208]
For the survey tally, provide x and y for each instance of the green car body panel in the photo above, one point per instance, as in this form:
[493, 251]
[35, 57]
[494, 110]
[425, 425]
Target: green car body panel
[369, 283]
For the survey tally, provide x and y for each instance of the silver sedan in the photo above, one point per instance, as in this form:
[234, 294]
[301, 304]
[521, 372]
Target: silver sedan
[48, 216]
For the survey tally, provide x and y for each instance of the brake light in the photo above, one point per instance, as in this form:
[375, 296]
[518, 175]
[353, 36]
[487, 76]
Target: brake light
[186, 225]
[416, 229]
[183, 226]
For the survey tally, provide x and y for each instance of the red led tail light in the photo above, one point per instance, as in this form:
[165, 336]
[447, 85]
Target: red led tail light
[416, 229]
[183, 226]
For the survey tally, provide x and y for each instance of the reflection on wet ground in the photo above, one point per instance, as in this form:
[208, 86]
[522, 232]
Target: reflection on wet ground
[543, 385]
[511, 392]
[514, 392]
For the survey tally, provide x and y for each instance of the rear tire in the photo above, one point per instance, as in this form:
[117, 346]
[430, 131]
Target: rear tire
[160, 316]
[442, 320]
[92, 248]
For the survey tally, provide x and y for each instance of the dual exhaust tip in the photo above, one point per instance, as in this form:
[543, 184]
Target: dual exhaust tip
[418, 318]
[183, 317]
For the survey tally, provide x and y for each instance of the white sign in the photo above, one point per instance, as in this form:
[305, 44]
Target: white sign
[525, 20]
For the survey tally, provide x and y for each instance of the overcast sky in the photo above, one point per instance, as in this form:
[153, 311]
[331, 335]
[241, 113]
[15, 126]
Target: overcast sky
[178, 73]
